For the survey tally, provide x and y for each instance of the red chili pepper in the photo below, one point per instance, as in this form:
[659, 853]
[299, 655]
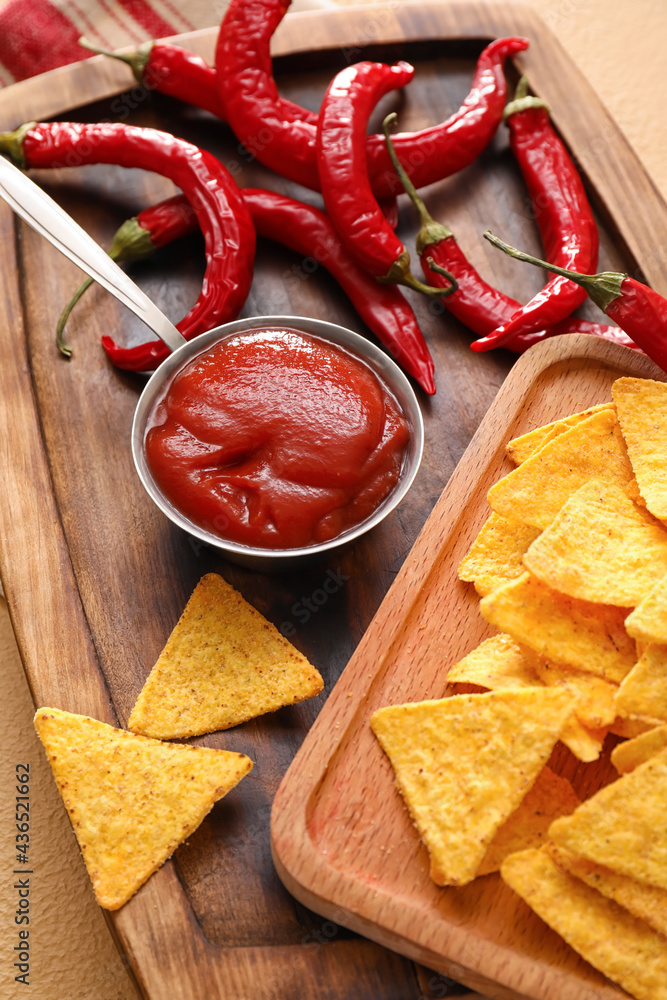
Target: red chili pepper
[341, 148]
[307, 231]
[251, 103]
[225, 222]
[178, 73]
[638, 310]
[476, 303]
[562, 212]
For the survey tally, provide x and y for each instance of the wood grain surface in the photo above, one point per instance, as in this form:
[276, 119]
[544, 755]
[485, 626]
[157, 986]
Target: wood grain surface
[96, 578]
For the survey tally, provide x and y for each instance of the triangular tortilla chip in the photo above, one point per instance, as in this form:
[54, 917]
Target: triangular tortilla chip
[224, 663]
[641, 405]
[535, 491]
[578, 634]
[629, 754]
[644, 690]
[646, 902]
[600, 547]
[463, 764]
[496, 554]
[521, 448]
[623, 948]
[624, 825]
[131, 800]
[595, 697]
[648, 622]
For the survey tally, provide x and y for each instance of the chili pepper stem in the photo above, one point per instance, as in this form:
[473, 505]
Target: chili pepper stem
[400, 274]
[64, 348]
[11, 143]
[602, 288]
[523, 100]
[137, 60]
[431, 231]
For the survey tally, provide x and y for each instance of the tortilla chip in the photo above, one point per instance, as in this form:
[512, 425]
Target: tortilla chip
[646, 902]
[131, 800]
[551, 796]
[463, 764]
[535, 491]
[595, 697]
[644, 690]
[624, 949]
[521, 448]
[628, 729]
[648, 622]
[628, 755]
[577, 634]
[600, 547]
[223, 663]
[495, 555]
[624, 825]
[641, 405]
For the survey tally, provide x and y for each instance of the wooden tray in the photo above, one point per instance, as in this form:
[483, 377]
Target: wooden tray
[342, 839]
[96, 578]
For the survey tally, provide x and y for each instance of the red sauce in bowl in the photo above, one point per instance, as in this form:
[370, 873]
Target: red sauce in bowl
[276, 439]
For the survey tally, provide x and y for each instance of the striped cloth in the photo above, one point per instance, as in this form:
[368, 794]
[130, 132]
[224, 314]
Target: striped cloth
[38, 35]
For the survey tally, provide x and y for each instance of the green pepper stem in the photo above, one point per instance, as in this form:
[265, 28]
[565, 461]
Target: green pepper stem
[137, 61]
[523, 100]
[431, 231]
[439, 269]
[602, 288]
[64, 348]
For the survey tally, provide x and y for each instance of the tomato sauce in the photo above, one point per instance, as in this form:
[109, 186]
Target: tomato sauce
[275, 439]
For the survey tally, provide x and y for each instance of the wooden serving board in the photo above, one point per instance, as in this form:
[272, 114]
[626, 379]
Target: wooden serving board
[94, 575]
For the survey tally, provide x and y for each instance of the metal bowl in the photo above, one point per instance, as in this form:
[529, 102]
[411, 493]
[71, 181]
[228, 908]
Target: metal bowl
[282, 559]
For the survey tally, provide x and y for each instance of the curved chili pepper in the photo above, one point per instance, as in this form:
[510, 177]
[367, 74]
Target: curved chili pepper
[562, 212]
[225, 222]
[639, 310]
[307, 231]
[341, 149]
[476, 303]
[178, 73]
[252, 107]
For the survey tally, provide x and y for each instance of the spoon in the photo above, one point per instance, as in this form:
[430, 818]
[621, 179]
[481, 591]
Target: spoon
[41, 212]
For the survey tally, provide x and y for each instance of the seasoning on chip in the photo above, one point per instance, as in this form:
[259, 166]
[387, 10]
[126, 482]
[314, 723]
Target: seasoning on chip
[647, 902]
[551, 796]
[648, 622]
[600, 547]
[223, 663]
[535, 491]
[644, 690]
[615, 942]
[624, 825]
[641, 405]
[131, 800]
[521, 448]
[496, 554]
[463, 764]
[626, 756]
[578, 634]
[595, 697]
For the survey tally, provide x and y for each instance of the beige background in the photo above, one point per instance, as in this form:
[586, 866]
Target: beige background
[621, 49]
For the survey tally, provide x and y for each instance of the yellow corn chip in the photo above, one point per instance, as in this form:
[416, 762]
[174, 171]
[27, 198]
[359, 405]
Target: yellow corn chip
[646, 902]
[535, 491]
[628, 755]
[224, 663]
[648, 622]
[578, 634]
[463, 764]
[595, 706]
[521, 448]
[641, 405]
[600, 547]
[628, 729]
[644, 690]
[624, 949]
[624, 825]
[131, 800]
[495, 555]
[550, 796]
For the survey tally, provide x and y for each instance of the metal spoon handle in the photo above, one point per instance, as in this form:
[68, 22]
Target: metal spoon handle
[42, 213]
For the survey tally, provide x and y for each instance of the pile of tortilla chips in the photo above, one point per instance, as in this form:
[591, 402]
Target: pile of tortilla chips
[571, 567]
[132, 798]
